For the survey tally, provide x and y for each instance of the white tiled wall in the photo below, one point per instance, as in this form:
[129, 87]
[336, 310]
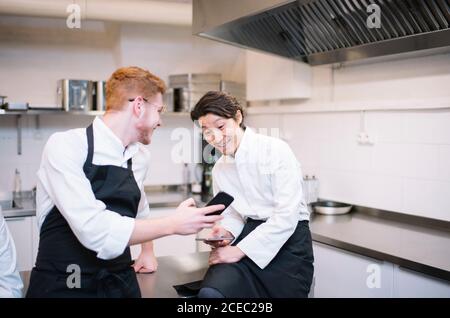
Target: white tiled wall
[406, 170]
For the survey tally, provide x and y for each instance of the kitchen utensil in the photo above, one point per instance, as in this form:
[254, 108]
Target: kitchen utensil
[99, 96]
[331, 207]
[75, 95]
[15, 106]
[2, 100]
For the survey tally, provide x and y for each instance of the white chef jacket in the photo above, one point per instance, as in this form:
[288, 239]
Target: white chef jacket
[10, 282]
[265, 179]
[63, 183]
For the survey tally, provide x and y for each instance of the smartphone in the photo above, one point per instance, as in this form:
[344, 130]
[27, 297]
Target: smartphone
[214, 239]
[220, 198]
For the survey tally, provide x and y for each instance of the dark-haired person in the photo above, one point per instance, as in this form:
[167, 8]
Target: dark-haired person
[91, 205]
[271, 253]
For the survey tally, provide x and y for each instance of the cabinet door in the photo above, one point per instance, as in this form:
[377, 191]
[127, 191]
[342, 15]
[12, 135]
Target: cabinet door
[338, 273]
[168, 245]
[21, 232]
[270, 77]
[411, 284]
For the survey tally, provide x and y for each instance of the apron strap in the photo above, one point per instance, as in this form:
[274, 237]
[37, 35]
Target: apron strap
[90, 141]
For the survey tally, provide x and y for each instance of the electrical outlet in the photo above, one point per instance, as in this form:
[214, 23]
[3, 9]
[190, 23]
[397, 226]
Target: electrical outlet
[365, 139]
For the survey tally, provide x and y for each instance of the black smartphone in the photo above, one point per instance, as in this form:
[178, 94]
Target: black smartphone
[220, 198]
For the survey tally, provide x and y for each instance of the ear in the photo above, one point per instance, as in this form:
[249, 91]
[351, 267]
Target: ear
[239, 117]
[138, 107]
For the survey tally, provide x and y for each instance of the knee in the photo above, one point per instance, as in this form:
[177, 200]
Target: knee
[208, 292]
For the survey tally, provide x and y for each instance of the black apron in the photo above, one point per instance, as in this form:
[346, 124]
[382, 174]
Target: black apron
[59, 247]
[288, 275]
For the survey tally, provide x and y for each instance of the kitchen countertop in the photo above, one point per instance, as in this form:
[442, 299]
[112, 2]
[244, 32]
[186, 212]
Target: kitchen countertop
[413, 242]
[417, 243]
[170, 196]
[172, 270]
[424, 248]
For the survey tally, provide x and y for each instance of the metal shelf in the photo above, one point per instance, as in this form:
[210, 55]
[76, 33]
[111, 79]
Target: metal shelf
[50, 112]
[37, 113]
[62, 112]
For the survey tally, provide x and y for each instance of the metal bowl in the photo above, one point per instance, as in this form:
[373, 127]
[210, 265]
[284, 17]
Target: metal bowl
[331, 207]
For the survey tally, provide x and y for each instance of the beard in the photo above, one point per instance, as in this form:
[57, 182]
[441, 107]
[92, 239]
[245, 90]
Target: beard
[144, 135]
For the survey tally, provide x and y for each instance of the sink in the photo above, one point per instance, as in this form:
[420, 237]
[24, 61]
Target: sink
[21, 205]
[7, 205]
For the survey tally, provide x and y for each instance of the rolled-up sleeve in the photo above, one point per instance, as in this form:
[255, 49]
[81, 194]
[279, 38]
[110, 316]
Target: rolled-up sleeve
[61, 174]
[262, 244]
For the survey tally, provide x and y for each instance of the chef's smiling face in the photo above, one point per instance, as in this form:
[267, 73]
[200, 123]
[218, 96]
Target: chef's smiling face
[224, 134]
[148, 117]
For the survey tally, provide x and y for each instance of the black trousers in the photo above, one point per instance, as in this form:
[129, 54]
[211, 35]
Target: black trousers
[288, 275]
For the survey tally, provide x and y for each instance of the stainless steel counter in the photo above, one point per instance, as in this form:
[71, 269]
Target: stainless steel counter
[27, 208]
[386, 236]
[170, 196]
[173, 271]
[417, 243]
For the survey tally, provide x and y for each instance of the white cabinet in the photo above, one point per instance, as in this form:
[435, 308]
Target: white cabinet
[168, 245]
[271, 77]
[338, 273]
[22, 229]
[408, 283]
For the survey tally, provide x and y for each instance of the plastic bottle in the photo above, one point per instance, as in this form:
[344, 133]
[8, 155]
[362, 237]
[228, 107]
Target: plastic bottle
[17, 182]
[315, 188]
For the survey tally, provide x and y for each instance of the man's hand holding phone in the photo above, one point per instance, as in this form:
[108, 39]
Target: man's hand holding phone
[219, 236]
[189, 219]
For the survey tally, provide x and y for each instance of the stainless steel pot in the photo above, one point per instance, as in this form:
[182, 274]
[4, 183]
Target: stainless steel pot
[75, 95]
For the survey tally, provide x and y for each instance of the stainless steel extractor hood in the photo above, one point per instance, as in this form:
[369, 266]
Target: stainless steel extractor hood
[326, 31]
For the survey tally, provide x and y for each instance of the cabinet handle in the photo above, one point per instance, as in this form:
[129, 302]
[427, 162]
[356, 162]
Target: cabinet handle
[15, 218]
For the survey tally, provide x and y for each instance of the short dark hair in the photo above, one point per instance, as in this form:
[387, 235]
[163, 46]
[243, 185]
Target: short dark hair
[218, 103]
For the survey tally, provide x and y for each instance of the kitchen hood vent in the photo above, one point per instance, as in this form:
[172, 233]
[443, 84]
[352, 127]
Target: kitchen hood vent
[325, 31]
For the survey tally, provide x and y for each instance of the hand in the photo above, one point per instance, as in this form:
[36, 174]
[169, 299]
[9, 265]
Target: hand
[218, 231]
[226, 254]
[146, 263]
[189, 219]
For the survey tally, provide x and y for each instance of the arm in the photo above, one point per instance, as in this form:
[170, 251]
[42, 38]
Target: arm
[146, 262]
[232, 221]
[265, 241]
[231, 225]
[10, 282]
[186, 220]
[62, 177]
[105, 232]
